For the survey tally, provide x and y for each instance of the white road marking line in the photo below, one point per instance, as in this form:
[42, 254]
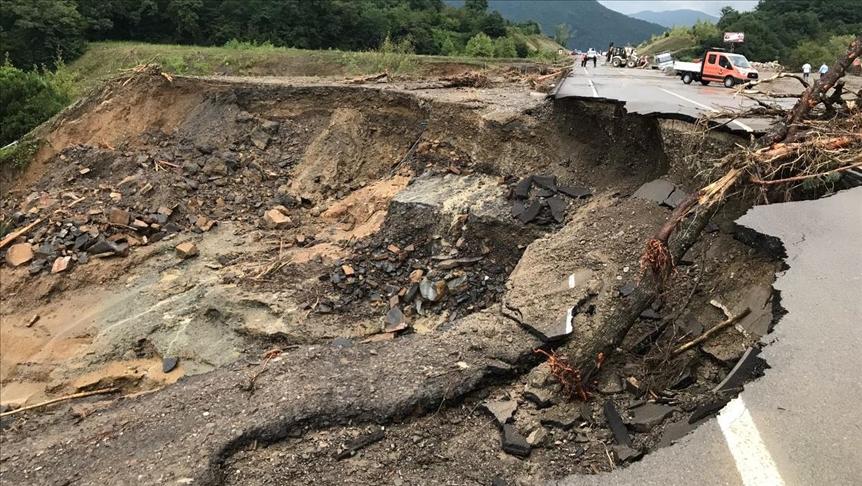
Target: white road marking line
[595, 93]
[753, 461]
[707, 107]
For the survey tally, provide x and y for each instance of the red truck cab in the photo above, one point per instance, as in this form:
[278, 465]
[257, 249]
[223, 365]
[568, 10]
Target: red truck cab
[727, 68]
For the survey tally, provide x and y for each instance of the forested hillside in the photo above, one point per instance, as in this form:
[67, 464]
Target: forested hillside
[672, 18]
[35, 32]
[793, 31]
[583, 24]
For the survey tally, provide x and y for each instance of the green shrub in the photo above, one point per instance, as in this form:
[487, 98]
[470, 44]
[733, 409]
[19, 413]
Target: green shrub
[480, 45]
[392, 57]
[819, 52]
[18, 155]
[505, 47]
[28, 98]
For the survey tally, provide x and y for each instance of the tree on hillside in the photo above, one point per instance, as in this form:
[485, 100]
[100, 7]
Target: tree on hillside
[476, 5]
[38, 32]
[480, 45]
[562, 34]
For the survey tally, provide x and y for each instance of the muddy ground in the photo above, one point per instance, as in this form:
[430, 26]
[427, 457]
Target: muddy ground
[375, 266]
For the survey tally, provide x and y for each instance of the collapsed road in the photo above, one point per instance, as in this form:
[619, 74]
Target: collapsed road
[294, 282]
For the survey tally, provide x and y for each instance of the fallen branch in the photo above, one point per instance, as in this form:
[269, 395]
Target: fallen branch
[756, 180]
[60, 399]
[709, 333]
[13, 236]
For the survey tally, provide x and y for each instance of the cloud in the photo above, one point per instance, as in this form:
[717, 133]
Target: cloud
[711, 7]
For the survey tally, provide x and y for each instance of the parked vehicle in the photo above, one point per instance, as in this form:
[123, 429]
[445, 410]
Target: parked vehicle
[663, 61]
[624, 57]
[717, 65]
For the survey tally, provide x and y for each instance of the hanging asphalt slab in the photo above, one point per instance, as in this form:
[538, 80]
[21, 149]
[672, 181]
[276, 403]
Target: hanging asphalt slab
[650, 92]
[797, 424]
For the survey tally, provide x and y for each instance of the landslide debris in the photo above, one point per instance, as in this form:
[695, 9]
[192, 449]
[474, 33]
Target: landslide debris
[331, 259]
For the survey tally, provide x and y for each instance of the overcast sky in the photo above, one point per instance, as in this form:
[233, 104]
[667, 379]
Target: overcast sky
[712, 7]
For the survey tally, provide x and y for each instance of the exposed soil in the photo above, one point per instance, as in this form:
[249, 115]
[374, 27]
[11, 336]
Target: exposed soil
[405, 288]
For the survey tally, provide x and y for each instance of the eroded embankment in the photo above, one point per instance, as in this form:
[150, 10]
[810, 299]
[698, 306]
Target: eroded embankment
[361, 240]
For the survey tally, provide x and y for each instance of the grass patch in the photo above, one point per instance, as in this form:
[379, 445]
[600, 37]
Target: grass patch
[18, 156]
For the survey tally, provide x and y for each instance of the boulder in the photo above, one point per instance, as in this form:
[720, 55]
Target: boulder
[19, 254]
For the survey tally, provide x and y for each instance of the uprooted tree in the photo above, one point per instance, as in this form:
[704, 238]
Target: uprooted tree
[818, 138]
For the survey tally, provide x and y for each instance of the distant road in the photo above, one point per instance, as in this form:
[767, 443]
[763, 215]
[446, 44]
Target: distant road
[649, 92]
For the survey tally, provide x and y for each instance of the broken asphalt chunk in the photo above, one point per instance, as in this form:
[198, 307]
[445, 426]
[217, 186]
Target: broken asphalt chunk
[522, 188]
[615, 423]
[395, 320]
[648, 415]
[513, 442]
[502, 410]
[558, 208]
[656, 191]
[548, 182]
[743, 370]
[575, 192]
[675, 198]
[518, 207]
[530, 213]
[563, 416]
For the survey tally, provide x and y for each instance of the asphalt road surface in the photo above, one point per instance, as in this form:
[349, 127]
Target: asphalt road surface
[650, 92]
[798, 424]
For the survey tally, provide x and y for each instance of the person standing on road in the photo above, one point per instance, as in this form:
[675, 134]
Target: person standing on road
[823, 70]
[806, 70]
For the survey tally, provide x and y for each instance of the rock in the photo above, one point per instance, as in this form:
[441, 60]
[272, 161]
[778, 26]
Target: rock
[119, 216]
[575, 192]
[609, 383]
[244, 116]
[169, 363]
[615, 423]
[502, 410]
[106, 246]
[522, 188]
[341, 343]
[61, 264]
[19, 254]
[205, 148]
[562, 416]
[215, 167]
[36, 266]
[542, 397]
[537, 437]
[648, 415]
[416, 275]
[558, 208]
[451, 263]
[656, 191]
[627, 289]
[81, 241]
[651, 315]
[360, 442]
[530, 212]
[395, 320]
[191, 168]
[432, 291]
[260, 138]
[348, 270]
[186, 249]
[275, 219]
[513, 442]
[270, 126]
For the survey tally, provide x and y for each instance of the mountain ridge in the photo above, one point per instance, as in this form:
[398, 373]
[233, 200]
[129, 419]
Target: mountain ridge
[671, 18]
